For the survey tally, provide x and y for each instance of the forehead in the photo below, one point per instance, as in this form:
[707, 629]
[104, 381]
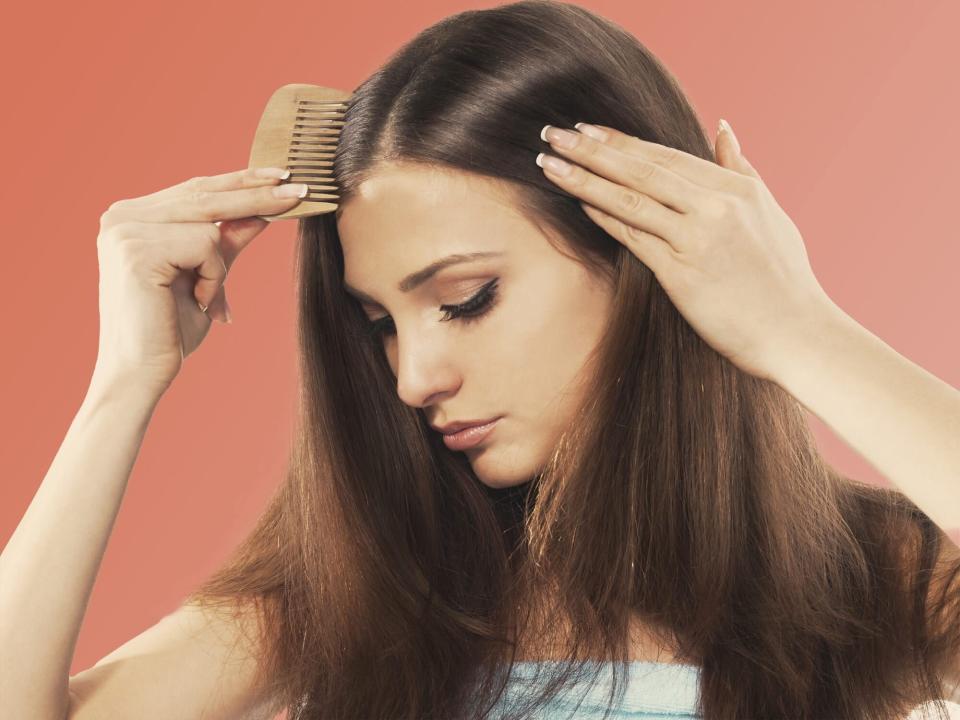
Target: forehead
[406, 214]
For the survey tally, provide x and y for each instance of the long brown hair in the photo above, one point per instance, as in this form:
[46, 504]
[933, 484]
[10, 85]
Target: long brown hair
[389, 582]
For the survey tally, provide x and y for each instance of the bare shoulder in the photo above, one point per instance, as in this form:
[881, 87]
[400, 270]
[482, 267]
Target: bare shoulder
[193, 663]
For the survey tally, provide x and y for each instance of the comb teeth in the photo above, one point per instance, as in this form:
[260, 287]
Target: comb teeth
[316, 131]
[299, 131]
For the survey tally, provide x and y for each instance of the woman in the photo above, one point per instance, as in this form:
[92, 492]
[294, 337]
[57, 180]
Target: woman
[646, 488]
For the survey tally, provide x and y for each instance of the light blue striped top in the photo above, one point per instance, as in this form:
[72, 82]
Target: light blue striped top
[656, 691]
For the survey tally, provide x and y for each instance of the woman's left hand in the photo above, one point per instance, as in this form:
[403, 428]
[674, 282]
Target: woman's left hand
[730, 259]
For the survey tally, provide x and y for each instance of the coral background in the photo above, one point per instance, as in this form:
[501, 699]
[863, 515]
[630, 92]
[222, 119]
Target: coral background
[844, 108]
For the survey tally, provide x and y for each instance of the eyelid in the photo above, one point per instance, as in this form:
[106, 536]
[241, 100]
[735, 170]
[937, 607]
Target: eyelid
[478, 294]
[470, 310]
[471, 294]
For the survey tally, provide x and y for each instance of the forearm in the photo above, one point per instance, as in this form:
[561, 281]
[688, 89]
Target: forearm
[49, 565]
[899, 417]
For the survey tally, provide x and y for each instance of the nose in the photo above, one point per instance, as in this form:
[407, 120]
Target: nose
[425, 372]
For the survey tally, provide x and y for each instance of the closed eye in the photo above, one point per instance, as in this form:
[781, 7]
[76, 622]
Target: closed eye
[468, 311]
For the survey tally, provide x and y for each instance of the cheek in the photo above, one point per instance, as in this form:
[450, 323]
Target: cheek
[560, 344]
[533, 348]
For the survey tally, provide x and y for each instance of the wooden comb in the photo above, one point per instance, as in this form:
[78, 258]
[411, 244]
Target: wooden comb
[299, 131]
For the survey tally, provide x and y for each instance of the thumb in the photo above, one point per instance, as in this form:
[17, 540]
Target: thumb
[728, 151]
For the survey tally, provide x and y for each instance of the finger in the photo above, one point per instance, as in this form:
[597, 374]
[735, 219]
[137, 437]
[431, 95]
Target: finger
[649, 249]
[728, 153]
[630, 206]
[631, 171]
[219, 308]
[235, 235]
[174, 248]
[696, 169]
[234, 180]
[739, 163]
[214, 206]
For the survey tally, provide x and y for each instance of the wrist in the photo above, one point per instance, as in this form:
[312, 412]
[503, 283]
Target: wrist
[806, 342]
[108, 386]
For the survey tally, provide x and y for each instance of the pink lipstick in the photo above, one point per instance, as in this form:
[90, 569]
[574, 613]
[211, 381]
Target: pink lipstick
[469, 437]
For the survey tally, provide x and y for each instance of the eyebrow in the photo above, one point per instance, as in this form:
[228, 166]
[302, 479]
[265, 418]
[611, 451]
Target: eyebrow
[414, 280]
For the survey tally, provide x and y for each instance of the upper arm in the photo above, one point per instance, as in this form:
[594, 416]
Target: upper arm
[194, 663]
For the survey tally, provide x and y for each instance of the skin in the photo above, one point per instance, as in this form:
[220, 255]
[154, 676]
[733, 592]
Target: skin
[524, 359]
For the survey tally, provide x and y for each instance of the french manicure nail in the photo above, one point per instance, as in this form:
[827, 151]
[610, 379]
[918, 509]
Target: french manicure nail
[724, 125]
[591, 131]
[561, 137]
[272, 172]
[291, 190]
[554, 164]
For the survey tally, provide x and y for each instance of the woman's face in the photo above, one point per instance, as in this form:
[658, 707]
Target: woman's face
[519, 358]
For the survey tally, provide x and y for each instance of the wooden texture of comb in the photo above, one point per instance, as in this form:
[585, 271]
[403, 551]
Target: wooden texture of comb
[299, 130]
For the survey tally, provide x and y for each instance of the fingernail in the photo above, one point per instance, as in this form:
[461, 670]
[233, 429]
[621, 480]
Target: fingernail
[553, 164]
[724, 125]
[559, 136]
[272, 172]
[291, 190]
[591, 131]
[226, 311]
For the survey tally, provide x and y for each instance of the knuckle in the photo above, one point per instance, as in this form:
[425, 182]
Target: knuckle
[590, 149]
[197, 196]
[130, 259]
[124, 252]
[641, 171]
[118, 232]
[128, 229]
[109, 216]
[629, 201]
[667, 156]
[751, 187]
[635, 233]
[577, 177]
[116, 205]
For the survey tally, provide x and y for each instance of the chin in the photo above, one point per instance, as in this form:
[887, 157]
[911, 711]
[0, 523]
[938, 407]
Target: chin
[497, 472]
[503, 484]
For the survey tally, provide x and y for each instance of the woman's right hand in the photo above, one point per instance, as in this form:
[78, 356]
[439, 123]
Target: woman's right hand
[163, 255]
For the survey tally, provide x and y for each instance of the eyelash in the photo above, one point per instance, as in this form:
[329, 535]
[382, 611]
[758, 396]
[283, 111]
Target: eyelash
[468, 311]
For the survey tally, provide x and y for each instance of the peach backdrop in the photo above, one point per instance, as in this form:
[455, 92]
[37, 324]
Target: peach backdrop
[847, 109]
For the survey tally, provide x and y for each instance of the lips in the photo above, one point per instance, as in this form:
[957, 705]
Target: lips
[456, 427]
[470, 437]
